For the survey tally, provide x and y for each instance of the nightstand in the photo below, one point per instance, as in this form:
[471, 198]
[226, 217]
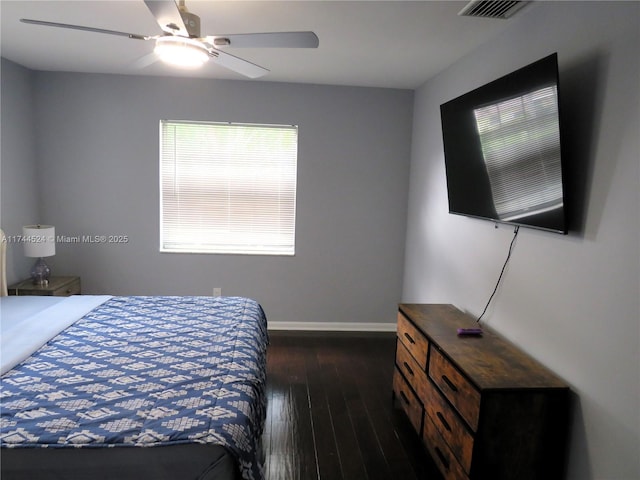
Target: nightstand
[57, 287]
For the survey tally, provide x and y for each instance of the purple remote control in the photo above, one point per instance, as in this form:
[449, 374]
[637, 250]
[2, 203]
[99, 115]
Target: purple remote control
[470, 331]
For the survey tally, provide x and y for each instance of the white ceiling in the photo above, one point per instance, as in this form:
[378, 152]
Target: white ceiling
[397, 44]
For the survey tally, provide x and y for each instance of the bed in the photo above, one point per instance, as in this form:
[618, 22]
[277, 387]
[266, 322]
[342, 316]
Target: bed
[105, 387]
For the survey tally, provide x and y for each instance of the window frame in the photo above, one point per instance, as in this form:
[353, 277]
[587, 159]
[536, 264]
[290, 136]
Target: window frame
[276, 240]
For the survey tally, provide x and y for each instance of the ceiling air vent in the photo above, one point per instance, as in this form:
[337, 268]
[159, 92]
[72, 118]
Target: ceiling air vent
[492, 8]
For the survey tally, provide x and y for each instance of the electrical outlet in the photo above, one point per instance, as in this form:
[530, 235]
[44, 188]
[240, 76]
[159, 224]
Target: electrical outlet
[217, 291]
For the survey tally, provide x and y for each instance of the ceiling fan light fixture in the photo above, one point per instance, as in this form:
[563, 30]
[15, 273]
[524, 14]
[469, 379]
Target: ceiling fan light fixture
[181, 51]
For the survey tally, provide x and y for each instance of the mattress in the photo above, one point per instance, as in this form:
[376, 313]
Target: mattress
[138, 387]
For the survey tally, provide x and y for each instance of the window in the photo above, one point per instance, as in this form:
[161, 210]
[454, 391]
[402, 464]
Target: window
[521, 146]
[227, 188]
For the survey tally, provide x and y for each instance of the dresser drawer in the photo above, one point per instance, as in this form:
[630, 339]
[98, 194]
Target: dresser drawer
[413, 339]
[410, 404]
[462, 394]
[413, 373]
[441, 454]
[408, 365]
[449, 424]
[72, 288]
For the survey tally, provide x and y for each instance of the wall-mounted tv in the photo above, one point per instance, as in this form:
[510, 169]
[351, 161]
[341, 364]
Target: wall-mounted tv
[502, 149]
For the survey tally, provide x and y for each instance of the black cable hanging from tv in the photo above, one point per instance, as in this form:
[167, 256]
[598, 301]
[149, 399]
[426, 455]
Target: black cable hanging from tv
[513, 240]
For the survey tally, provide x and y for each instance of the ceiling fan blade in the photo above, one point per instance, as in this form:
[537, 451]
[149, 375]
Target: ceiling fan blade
[86, 29]
[168, 16]
[237, 64]
[266, 40]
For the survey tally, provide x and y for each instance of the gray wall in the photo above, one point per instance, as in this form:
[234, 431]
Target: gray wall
[96, 144]
[19, 192]
[571, 301]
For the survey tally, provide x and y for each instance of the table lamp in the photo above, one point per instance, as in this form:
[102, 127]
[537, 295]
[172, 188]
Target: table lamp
[39, 242]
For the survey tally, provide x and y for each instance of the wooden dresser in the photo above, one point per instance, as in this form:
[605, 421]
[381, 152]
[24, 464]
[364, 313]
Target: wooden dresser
[484, 409]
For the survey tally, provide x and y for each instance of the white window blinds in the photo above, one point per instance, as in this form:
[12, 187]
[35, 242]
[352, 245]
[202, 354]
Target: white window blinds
[227, 188]
[521, 146]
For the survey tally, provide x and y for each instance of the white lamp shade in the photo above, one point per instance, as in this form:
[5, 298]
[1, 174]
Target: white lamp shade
[39, 240]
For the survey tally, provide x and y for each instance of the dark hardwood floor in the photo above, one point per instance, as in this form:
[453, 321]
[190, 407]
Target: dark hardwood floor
[330, 413]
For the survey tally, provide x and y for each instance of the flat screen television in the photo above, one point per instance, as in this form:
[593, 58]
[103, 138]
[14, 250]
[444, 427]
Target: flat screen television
[502, 149]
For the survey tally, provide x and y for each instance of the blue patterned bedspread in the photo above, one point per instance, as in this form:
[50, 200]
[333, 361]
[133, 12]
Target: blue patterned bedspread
[143, 372]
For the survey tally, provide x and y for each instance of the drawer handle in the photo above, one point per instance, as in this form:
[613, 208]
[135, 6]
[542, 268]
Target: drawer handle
[444, 422]
[443, 459]
[404, 397]
[406, 365]
[411, 340]
[449, 383]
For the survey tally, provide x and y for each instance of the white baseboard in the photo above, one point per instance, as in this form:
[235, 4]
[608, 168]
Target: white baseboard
[333, 326]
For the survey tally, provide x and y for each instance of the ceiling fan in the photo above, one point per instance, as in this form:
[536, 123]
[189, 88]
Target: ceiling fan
[181, 44]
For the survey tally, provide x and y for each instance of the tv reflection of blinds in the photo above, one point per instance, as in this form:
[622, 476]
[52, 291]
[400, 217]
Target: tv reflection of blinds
[521, 147]
[502, 146]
